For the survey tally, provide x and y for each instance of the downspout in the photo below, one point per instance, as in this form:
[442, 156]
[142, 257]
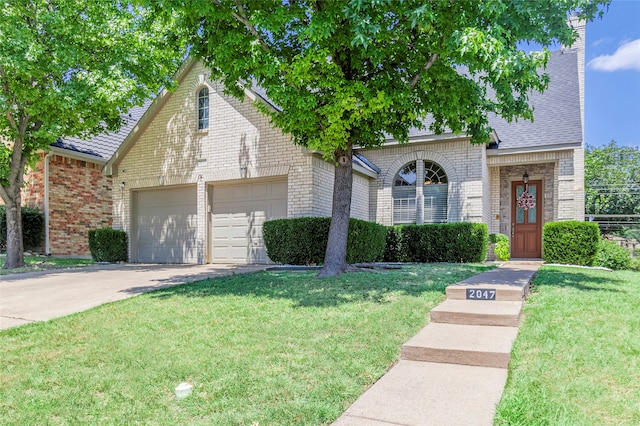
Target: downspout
[47, 250]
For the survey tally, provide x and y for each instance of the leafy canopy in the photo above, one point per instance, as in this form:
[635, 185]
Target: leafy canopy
[612, 179]
[71, 68]
[351, 71]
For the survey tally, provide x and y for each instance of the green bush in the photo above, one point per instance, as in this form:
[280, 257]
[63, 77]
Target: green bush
[501, 246]
[393, 248]
[611, 255]
[108, 245]
[449, 242]
[303, 241]
[32, 227]
[571, 242]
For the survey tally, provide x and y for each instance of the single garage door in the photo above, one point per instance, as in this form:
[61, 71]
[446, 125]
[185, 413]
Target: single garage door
[238, 212]
[165, 225]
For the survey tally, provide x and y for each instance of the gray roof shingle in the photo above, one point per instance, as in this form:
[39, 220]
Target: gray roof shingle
[557, 115]
[105, 144]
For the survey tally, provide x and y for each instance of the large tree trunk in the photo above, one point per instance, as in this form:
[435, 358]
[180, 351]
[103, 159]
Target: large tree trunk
[335, 258]
[15, 248]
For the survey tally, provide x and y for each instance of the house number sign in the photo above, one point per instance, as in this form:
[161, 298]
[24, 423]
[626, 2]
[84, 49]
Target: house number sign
[481, 294]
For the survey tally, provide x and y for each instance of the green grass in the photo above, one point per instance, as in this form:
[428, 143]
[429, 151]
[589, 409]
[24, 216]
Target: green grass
[272, 348]
[38, 263]
[576, 360]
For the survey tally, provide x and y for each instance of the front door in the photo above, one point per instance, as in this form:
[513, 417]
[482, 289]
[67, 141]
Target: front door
[526, 226]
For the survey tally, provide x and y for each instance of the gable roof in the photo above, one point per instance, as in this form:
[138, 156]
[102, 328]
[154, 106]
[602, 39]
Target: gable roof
[557, 112]
[103, 145]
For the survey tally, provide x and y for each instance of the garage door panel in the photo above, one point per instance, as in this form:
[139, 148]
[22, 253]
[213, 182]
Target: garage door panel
[166, 223]
[238, 212]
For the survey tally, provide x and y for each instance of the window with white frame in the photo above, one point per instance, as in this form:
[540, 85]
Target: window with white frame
[404, 195]
[203, 109]
[436, 192]
[420, 201]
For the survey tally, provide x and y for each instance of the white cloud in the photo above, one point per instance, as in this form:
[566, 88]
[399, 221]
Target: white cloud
[627, 57]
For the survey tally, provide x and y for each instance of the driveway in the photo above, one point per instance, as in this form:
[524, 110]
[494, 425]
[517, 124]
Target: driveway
[41, 296]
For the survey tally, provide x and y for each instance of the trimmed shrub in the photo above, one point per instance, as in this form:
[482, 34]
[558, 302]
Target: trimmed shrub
[450, 242]
[612, 256]
[32, 227]
[108, 245]
[393, 248]
[571, 242]
[501, 246]
[303, 241]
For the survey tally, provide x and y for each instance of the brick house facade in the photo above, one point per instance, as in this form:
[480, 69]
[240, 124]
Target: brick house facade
[199, 195]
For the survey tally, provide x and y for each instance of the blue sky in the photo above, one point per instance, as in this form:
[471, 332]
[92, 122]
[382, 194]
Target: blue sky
[612, 76]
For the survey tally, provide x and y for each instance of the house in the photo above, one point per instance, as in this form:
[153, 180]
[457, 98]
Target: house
[197, 177]
[68, 186]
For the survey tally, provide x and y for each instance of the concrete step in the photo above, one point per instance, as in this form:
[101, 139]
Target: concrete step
[476, 312]
[503, 292]
[425, 393]
[482, 346]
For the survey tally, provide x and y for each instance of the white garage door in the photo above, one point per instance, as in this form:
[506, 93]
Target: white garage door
[238, 212]
[165, 226]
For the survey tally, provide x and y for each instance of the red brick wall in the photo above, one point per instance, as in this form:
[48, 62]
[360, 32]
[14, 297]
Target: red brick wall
[79, 200]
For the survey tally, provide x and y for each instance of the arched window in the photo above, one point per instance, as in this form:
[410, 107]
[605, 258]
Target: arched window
[416, 201]
[203, 109]
[435, 191]
[404, 194]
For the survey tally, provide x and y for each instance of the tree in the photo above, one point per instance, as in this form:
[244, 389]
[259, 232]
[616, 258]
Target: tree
[70, 68]
[612, 180]
[347, 73]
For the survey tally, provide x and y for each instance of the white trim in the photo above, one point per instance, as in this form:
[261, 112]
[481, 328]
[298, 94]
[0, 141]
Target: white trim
[528, 150]
[77, 155]
[47, 248]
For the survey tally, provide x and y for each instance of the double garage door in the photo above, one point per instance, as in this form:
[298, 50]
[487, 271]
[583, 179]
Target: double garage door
[165, 222]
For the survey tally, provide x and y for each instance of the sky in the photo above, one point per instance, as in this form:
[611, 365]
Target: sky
[612, 76]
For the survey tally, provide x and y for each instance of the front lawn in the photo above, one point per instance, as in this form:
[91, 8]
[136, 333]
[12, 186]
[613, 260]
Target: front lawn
[273, 348]
[576, 360]
[43, 263]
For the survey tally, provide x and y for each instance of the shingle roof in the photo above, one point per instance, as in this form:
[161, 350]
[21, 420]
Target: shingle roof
[105, 144]
[557, 115]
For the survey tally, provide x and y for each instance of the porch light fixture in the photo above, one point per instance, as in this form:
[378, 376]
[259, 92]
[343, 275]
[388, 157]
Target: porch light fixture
[525, 177]
[243, 172]
[122, 184]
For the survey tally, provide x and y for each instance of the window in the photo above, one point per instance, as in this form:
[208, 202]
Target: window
[404, 195]
[416, 201]
[435, 191]
[203, 109]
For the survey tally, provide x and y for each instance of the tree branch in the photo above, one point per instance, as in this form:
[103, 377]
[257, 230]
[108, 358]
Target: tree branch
[244, 20]
[428, 65]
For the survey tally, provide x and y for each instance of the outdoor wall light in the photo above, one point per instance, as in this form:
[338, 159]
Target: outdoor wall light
[122, 184]
[243, 171]
[525, 177]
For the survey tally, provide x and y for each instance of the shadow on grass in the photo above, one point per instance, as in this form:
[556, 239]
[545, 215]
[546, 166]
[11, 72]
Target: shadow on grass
[576, 278]
[305, 290]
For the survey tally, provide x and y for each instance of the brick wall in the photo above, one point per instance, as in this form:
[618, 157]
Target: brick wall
[33, 190]
[79, 200]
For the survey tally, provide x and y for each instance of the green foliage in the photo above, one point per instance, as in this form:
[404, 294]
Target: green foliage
[393, 248]
[448, 242]
[32, 227]
[612, 179]
[501, 246]
[570, 242]
[612, 256]
[108, 245]
[350, 71]
[303, 241]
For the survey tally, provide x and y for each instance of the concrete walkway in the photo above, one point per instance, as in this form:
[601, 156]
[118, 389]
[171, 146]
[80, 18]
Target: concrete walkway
[454, 370]
[41, 296]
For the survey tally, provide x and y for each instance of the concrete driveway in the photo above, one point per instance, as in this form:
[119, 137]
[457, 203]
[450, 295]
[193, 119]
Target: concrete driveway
[41, 296]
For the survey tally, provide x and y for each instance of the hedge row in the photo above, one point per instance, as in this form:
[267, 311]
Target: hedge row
[32, 227]
[449, 242]
[303, 241]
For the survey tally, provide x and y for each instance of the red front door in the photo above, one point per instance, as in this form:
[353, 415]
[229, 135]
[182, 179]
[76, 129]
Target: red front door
[526, 224]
